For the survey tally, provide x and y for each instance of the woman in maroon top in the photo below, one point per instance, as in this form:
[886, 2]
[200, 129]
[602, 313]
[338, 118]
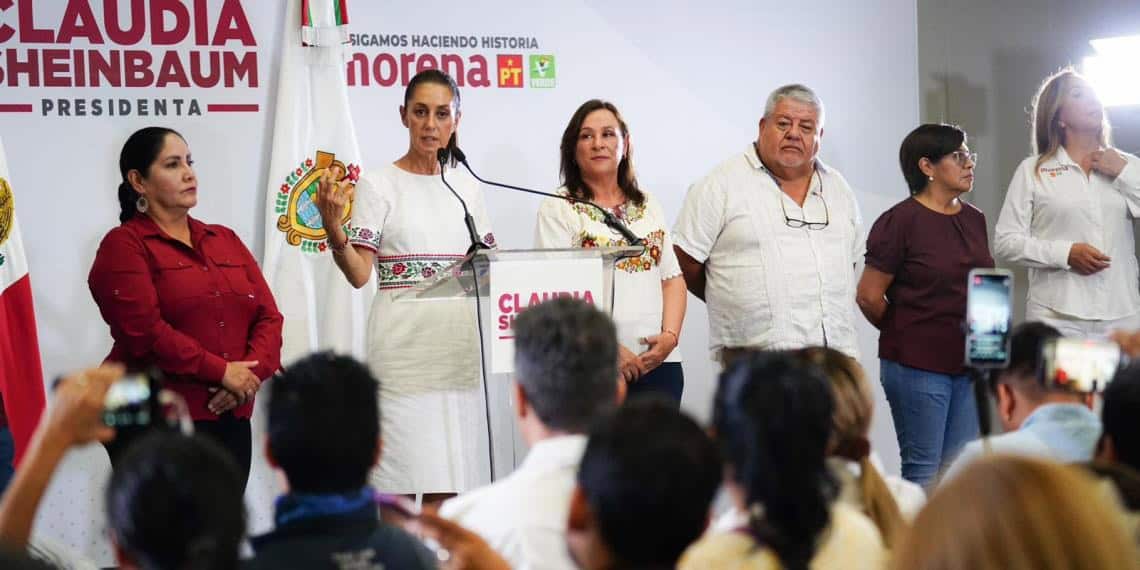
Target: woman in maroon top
[913, 289]
[184, 296]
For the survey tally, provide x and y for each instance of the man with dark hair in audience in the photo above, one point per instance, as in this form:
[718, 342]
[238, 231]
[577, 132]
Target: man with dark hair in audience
[645, 484]
[1040, 421]
[566, 376]
[324, 435]
[1120, 440]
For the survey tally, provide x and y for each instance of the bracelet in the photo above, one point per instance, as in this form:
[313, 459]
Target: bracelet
[676, 338]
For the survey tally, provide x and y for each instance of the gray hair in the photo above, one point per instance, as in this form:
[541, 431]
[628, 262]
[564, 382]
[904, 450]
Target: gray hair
[566, 360]
[795, 92]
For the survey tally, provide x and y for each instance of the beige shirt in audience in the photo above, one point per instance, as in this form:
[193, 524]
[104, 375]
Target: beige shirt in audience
[523, 516]
[851, 542]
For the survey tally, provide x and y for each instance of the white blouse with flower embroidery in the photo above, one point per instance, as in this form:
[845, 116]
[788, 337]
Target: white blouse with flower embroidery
[424, 353]
[638, 302]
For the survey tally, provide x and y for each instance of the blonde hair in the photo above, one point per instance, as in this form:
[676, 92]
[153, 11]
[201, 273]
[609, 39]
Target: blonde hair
[1016, 512]
[1047, 135]
[850, 422]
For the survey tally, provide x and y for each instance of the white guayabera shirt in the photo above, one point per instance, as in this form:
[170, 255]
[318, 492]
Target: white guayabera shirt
[769, 285]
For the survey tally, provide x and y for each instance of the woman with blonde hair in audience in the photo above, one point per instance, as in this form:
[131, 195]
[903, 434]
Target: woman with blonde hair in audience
[1010, 512]
[890, 502]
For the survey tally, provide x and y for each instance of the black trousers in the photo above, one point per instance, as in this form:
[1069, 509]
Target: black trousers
[231, 433]
[668, 380]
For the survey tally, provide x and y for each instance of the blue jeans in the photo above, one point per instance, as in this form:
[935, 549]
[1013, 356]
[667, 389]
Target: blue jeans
[934, 414]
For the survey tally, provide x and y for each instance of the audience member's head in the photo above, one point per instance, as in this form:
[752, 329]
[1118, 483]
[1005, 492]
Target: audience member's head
[324, 424]
[176, 502]
[1019, 388]
[565, 367]
[850, 424]
[645, 484]
[772, 416]
[1015, 512]
[1120, 440]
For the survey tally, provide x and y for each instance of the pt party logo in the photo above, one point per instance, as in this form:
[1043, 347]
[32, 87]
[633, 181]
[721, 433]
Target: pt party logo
[138, 58]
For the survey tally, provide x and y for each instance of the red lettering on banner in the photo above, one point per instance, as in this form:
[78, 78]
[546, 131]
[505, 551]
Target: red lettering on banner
[478, 74]
[406, 60]
[28, 32]
[504, 302]
[233, 25]
[201, 24]
[55, 68]
[6, 31]
[246, 68]
[159, 35]
[137, 68]
[200, 79]
[505, 322]
[171, 71]
[134, 32]
[13, 67]
[426, 62]
[78, 22]
[108, 69]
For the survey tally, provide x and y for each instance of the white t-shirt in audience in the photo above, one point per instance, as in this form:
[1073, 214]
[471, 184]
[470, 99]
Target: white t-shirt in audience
[523, 516]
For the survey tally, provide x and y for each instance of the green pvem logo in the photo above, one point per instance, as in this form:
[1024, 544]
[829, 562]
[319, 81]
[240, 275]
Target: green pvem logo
[542, 71]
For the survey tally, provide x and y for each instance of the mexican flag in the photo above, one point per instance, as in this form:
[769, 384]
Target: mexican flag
[313, 133]
[21, 374]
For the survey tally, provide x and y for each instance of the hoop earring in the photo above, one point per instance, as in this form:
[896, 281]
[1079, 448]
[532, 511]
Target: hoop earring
[142, 204]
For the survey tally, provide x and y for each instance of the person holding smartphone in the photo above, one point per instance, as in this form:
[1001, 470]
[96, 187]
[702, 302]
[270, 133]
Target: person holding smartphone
[913, 289]
[1069, 213]
[184, 297]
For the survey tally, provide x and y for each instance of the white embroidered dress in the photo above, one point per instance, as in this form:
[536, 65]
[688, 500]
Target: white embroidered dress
[425, 353]
[637, 281]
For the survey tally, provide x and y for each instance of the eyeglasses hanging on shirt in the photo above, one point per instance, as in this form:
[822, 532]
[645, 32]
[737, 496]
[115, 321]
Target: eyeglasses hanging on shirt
[811, 225]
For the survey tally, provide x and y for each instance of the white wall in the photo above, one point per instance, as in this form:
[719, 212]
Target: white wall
[691, 80]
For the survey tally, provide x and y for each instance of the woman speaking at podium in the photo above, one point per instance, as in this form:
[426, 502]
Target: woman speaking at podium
[649, 292]
[409, 226]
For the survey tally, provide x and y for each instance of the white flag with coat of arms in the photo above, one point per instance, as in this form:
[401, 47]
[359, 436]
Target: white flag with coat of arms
[313, 133]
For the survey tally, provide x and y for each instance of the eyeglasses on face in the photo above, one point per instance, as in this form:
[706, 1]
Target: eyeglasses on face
[963, 156]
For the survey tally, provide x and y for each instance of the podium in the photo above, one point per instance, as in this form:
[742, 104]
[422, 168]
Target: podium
[501, 284]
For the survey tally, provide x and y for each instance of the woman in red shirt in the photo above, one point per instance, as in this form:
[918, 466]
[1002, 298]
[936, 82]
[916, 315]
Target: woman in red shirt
[184, 296]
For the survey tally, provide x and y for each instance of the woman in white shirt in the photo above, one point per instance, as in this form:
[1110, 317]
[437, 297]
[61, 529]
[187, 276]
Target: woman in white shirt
[1068, 215]
[649, 292]
[408, 226]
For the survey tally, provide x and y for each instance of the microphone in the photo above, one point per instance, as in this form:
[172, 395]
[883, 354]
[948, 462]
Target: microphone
[608, 217]
[443, 155]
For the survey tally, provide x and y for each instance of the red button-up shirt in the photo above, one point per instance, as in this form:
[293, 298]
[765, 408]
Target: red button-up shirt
[186, 310]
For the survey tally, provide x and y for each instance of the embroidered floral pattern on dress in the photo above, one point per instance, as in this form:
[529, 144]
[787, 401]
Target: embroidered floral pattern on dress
[401, 271]
[626, 212]
[489, 239]
[647, 260]
[363, 236]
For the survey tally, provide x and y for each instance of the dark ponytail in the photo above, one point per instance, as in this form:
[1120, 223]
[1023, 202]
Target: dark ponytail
[139, 152]
[772, 417]
[437, 77]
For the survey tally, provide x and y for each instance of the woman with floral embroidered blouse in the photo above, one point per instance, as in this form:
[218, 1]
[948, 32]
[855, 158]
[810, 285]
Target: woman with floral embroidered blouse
[649, 292]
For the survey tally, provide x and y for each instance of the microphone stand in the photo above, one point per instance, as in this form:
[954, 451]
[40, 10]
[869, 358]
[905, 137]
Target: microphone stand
[443, 155]
[608, 217]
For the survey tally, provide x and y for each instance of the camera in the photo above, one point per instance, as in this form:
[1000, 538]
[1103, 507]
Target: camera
[132, 401]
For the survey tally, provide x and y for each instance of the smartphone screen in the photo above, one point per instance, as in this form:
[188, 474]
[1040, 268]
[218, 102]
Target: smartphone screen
[128, 402]
[989, 318]
[1080, 365]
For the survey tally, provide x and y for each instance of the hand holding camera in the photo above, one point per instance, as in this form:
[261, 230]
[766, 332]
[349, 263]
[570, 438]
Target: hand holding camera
[76, 414]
